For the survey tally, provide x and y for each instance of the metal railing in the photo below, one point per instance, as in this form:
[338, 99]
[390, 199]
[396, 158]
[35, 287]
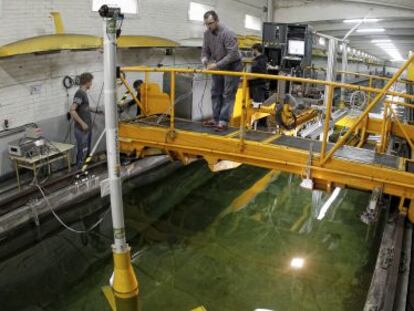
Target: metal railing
[331, 86]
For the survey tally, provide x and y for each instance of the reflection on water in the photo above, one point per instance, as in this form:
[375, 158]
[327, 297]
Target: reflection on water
[203, 239]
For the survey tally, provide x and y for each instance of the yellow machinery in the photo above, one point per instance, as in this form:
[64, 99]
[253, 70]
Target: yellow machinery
[285, 115]
[388, 125]
[410, 73]
[328, 165]
[154, 101]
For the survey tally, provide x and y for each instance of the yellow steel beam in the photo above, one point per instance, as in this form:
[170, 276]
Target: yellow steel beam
[337, 172]
[410, 73]
[243, 111]
[172, 100]
[374, 126]
[131, 92]
[57, 18]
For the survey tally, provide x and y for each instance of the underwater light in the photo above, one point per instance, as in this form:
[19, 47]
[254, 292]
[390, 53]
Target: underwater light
[297, 263]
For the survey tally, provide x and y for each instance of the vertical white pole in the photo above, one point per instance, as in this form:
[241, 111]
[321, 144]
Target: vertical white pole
[330, 74]
[111, 128]
[344, 69]
[270, 9]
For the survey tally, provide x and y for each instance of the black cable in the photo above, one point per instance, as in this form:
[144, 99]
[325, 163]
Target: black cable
[67, 82]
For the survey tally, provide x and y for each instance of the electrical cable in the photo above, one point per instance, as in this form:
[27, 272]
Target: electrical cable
[200, 102]
[62, 222]
[354, 107]
[69, 128]
[178, 100]
[68, 82]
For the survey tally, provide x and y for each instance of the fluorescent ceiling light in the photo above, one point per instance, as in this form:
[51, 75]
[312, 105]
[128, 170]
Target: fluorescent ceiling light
[380, 40]
[391, 50]
[367, 20]
[328, 203]
[371, 30]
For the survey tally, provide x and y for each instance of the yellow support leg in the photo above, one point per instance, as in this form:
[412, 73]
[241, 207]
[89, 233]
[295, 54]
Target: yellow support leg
[123, 296]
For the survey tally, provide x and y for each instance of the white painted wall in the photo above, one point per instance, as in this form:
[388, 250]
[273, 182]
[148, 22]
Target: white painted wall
[165, 18]
[48, 105]
[18, 75]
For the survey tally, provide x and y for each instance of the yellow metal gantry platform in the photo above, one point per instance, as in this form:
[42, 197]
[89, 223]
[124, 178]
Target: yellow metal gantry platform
[330, 165]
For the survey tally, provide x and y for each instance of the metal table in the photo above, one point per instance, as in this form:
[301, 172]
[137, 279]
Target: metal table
[60, 151]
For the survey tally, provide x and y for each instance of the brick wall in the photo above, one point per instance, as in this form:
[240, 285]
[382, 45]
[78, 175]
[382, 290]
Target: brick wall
[31, 86]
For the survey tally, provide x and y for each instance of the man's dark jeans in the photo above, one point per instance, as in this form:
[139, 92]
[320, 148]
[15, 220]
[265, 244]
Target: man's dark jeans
[83, 145]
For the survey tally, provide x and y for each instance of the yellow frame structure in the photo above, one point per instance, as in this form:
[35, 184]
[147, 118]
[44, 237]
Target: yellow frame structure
[326, 170]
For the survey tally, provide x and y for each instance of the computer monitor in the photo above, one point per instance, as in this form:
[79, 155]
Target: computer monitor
[296, 47]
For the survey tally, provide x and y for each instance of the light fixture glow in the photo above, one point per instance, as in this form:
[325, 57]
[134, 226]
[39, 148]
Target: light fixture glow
[380, 40]
[391, 50]
[297, 263]
[365, 30]
[367, 20]
[322, 41]
[328, 203]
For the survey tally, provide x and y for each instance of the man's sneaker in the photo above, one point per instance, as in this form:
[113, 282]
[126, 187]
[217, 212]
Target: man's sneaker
[222, 126]
[210, 123]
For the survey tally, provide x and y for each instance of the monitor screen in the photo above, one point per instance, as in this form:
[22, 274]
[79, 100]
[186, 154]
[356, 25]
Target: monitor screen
[296, 47]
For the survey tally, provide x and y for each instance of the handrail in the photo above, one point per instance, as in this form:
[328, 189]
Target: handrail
[407, 137]
[243, 111]
[266, 77]
[327, 120]
[399, 103]
[374, 102]
[366, 75]
[129, 89]
[330, 92]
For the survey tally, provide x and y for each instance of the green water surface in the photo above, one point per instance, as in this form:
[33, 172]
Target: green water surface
[189, 249]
